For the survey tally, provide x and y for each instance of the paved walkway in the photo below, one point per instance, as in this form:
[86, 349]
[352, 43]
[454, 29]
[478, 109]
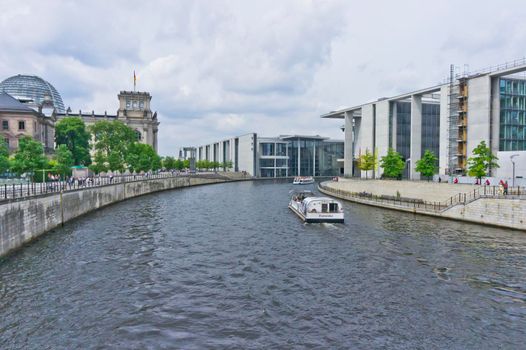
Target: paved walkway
[427, 191]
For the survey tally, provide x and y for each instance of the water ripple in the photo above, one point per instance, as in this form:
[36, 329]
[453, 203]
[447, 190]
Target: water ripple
[227, 267]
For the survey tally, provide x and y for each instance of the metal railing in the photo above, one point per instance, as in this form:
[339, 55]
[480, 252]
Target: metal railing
[16, 191]
[435, 206]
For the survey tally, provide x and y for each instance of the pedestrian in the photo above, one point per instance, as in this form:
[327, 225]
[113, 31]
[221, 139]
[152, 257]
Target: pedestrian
[506, 187]
[487, 182]
[456, 180]
[439, 179]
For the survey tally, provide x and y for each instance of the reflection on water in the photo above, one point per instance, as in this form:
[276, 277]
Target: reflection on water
[228, 266]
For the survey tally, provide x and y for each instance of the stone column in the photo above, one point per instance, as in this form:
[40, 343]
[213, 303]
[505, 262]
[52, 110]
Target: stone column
[348, 146]
[416, 134]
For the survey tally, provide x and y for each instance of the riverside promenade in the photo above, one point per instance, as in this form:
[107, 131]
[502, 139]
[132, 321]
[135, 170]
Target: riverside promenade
[478, 204]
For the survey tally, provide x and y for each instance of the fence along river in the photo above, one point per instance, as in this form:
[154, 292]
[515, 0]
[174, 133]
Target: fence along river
[229, 266]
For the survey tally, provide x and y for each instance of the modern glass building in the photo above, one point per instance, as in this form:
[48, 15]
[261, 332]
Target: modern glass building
[450, 119]
[512, 115]
[313, 155]
[273, 157]
[33, 90]
[282, 156]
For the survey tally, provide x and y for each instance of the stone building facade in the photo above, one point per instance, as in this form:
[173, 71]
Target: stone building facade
[134, 111]
[18, 120]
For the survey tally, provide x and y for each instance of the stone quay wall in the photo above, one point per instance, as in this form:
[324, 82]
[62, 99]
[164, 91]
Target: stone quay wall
[501, 211]
[24, 219]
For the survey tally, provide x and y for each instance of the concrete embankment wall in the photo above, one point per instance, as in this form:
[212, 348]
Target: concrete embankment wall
[510, 213]
[506, 213]
[22, 220]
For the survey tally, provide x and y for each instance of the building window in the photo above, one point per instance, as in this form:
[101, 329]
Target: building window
[280, 163]
[21, 125]
[5, 125]
[141, 104]
[512, 115]
[138, 135]
[128, 103]
[266, 163]
[134, 104]
[281, 149]
[267, 149]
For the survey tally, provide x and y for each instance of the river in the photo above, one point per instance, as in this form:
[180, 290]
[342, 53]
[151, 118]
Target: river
[228, 266]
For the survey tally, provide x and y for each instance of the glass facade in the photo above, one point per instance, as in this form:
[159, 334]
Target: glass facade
[30, 87]
[403, 129]
[430, 128]
[512, 115]
[316, 157]
[267, 149]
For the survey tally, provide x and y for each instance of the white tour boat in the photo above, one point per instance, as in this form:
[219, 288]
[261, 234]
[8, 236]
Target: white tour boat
[303, 180]
[316, 209]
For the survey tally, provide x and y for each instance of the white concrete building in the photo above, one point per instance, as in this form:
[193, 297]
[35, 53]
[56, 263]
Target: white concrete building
[450, 119]
[282, 156]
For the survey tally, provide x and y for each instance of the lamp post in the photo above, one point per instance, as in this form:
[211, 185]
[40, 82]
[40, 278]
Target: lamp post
[513, 164]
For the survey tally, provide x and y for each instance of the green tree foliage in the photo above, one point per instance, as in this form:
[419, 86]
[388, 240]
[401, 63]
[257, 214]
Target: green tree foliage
[30, 156]
[63, 160]
[113, 140]
[169, 163]
[4, 158]
[71, 131]
[186, 164]
[179, 164]
[142, 157]
[367, 162]
[393, 164]
[482, 161]
[99, 164]
[427, 165]
[227, 164]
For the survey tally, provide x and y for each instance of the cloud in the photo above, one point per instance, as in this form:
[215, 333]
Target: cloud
[217, 69]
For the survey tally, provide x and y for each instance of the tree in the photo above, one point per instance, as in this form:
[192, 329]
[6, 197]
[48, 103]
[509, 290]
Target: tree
[227, 164]
[64, 160]
[142, 157]
[30, 156]
[393, 164]
[4, 158]
[99, 163]
[113, 140]
[179, 164]
[169, 163]
[427, 165]
[71, 131]
[367, 162]
[482, 161]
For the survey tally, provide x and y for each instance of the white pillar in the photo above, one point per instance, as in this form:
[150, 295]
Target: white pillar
[416, 134]
[348, 149]
[299, 157]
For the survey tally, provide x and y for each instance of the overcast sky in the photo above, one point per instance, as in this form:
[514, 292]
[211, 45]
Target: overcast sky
[218, 69]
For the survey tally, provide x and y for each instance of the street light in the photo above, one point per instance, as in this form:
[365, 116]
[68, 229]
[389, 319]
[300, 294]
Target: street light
[512, 162]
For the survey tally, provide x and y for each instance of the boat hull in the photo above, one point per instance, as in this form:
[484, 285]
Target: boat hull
[318, 218]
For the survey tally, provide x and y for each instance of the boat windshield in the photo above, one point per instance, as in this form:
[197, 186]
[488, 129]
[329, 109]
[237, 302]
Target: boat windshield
[300, 196]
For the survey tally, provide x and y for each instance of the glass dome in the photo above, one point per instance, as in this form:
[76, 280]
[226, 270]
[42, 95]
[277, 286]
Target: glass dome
[31, 87]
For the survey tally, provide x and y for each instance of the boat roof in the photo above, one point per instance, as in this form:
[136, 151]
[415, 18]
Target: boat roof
[316, 199]
[301, 191]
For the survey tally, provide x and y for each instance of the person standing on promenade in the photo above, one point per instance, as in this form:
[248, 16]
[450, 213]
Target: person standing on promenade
[506, 187]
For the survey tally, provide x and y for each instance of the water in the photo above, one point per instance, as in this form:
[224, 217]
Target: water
[230, 267]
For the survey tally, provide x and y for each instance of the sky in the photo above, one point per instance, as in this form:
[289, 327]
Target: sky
[218, 69]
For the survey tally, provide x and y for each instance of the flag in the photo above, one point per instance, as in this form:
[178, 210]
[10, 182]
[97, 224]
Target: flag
[134, 80]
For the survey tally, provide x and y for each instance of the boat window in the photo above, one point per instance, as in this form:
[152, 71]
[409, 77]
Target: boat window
[324, 207]
[333, 207]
